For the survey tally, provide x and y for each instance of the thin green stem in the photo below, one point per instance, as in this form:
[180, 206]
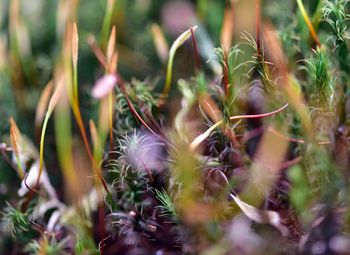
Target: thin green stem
[177, 43]
[308, 22]
[42, 142]
[80, 123]
[75, 84]
[107, 21]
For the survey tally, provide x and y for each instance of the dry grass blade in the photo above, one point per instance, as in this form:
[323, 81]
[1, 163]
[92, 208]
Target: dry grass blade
[53, 102]
[111, 46]
[110, 4]
[63, 137]
[227, 29]
[160, 44]
[91, 40]
[15, 136]
[15, 127]
[66, 12]
[55, 97]
[75, 103]
[113, 66]
[294, 97]
[18, 30]
[107, 20]
[260, 216]
[253, 213]
[75, 45]
[43, 103]
[258, 24]
[112, 58]
[210, 107]
[94, 134]
[74, 48]
[308, 22]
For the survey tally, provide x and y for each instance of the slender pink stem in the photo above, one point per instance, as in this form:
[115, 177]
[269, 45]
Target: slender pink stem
[291, 162]
[256, 116]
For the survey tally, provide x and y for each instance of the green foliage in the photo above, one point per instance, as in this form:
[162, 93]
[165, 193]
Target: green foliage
[322, 175]
[290, 40]
[322, 85]
[232, 61]
[142, 95]
[334, 13]
[258, 64]
[129, 181]
[16, 222]
[215, 144]
[48, 246]
[299, 193]
[130, 185]
[233, 69]
[167, 205]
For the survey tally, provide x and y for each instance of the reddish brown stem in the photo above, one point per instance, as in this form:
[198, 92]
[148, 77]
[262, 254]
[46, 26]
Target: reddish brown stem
[136, 115]
[87, 146]
[150, 117]
[33, 190]
[291, 162]
[41, 229]
[101, 215]
[262, 115]
[97, 51]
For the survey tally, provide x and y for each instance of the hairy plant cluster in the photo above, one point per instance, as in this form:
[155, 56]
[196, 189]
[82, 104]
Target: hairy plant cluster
[172, 153]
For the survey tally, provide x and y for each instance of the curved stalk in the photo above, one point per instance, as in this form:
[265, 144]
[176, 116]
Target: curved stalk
[177, 43]
[199, 139]
[41, 151]
[308, 22]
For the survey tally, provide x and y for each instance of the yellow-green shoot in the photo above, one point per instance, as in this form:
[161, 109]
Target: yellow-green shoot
[177, 44]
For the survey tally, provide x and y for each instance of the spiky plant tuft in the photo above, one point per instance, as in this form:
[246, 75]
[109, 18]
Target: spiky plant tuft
[167, 205]
[15, 221]
[142, 95]
[321, 82]
[334, 13]
[259, 64]
[48, 246]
